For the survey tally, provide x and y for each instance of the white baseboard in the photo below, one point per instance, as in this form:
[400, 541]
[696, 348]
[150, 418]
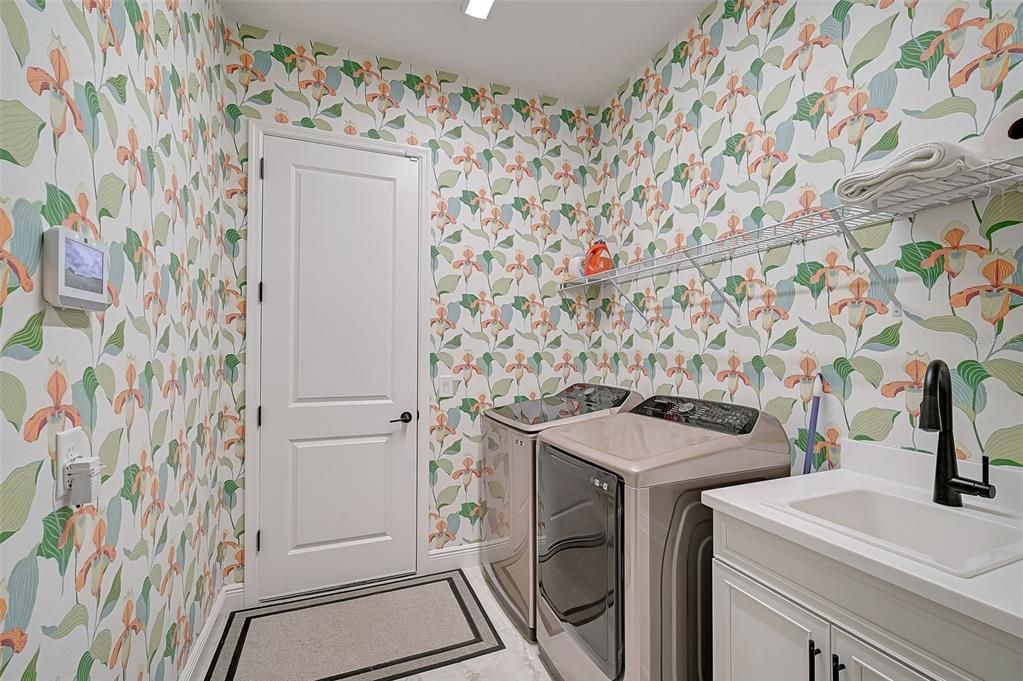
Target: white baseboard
[230, 598]
[441, 560]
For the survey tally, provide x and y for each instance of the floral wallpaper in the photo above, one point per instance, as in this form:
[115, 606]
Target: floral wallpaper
[125, 119]
[110, 125]
[750, 118]
[514, 193]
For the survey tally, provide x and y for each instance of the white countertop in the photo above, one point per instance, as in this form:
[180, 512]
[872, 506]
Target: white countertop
[994, 597]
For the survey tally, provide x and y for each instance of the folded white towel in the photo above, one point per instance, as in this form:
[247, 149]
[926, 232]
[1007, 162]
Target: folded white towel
[931, 161]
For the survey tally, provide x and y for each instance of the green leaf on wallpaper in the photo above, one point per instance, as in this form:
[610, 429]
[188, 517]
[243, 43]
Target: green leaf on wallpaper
[19, 132]
[264, 97]
[30, 669]
[77, 616]
[712, 135]
[1005, 446]
[246, 31]
[16, 30]
[805, 111]
[281, 53]
[786, 23]
[1014, 343]
[16, 494]
[873, 424]
[115, 341]
[58, 205]
[323, 49]
[780, 408]
[826, 328]
[911, 54]
[871, 45]
[12, 399]
[53, 528]
[805, 272]
[973, 373]
[101, 644]
[84, 671]
[109, 451]
[946, 107]
[1009, 372]
[915, 253]
[787, 181]
[26, 342]
[1004, 210]
[777, 98]
[110, 195]
[887, 144]
[869, 368]
[946, 324]
[77, 17]
[886, 340]
[786, 341]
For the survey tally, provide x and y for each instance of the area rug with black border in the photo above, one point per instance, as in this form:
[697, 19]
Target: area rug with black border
[373, 633]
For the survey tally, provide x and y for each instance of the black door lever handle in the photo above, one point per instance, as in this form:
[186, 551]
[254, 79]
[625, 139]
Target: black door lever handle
[406, 417]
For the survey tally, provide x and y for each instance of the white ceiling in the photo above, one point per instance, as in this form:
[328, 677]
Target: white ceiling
[577, 50]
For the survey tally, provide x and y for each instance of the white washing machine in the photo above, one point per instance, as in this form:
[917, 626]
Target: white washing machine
[624, 545]
[509, 464]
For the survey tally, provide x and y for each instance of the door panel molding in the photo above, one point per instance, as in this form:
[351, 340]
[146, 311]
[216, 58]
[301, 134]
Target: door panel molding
[258, 133]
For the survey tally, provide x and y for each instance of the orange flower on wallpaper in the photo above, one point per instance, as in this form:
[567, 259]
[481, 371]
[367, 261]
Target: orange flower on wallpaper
[382, 97]
[733, 374]
[952, 40]
[54, 418]
[733, 91]
[247, 72]
[954, 253]
[830, 444]
[705, 317]
[678, 371]
[13, 639]
[995, 296]
[916, 368]
[807, 42]
[132, 625]
[993, 66]
[809, 365]
[61, 101]
[520, 367]
[770, 158]
[9, 265]
[829, 97]
[130, 396]
[299, 58]
[130, 155]
[769, 312]
[97, 561]
[764, 12]
[809, 206]
[831, 270]
[859, 119]
[859, 305]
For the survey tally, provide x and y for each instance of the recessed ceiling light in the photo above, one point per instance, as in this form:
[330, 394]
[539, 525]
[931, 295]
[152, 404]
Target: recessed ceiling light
[478, 9]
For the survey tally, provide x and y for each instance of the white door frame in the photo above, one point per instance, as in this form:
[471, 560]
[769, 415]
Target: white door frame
[258, 132]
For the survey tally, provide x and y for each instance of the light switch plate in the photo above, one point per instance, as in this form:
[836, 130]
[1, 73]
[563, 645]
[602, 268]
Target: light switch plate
[446, 385]
[71, 443]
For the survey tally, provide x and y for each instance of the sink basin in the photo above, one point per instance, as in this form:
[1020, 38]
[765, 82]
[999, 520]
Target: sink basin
[964, 542]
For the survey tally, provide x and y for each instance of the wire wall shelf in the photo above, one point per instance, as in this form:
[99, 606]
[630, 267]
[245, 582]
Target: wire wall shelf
[985, 181]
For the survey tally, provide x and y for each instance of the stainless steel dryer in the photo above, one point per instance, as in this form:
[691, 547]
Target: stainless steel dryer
[624, 545]
[509, 464]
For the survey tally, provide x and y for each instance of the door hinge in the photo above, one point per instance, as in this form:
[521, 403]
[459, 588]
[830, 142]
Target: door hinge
[259, 416]
[259, 293]
[259, 536]
[261, 168]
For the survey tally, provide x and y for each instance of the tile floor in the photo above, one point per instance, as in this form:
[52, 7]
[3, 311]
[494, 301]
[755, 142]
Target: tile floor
[519, 661]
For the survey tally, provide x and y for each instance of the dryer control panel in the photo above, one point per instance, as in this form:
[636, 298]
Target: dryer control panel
[733, 419]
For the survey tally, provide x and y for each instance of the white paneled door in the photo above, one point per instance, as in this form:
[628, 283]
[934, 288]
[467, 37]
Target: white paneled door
[338, 365]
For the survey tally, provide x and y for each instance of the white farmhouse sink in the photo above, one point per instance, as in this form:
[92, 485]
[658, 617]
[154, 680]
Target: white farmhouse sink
[962, 542]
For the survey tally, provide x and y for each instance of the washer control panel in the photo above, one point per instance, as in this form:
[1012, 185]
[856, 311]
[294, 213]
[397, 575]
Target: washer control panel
[733, 419]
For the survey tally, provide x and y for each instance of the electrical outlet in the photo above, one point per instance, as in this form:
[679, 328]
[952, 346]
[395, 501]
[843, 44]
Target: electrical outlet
[71, 444]
[446, 385]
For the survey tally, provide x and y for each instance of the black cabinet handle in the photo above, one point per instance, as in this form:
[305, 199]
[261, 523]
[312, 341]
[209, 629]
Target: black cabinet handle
[836, 667]
[406, 417]
[814, 652]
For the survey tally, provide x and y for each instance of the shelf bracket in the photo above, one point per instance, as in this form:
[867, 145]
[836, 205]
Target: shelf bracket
[621, 295]
[854, 242]
[717, 289]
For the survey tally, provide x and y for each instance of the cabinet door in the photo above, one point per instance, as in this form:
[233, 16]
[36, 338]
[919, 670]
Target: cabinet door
[762, 636]
[864, 663]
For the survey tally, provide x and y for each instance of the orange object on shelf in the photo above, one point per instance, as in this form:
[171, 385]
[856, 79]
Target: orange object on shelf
[598, 258]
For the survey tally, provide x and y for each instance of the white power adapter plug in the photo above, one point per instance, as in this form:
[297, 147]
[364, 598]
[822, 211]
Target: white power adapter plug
[78, 473]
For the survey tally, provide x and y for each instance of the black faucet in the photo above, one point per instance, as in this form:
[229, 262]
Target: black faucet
[936, 415]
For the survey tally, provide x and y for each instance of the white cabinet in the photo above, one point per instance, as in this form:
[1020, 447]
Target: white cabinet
[858, 661]
[761, 636]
